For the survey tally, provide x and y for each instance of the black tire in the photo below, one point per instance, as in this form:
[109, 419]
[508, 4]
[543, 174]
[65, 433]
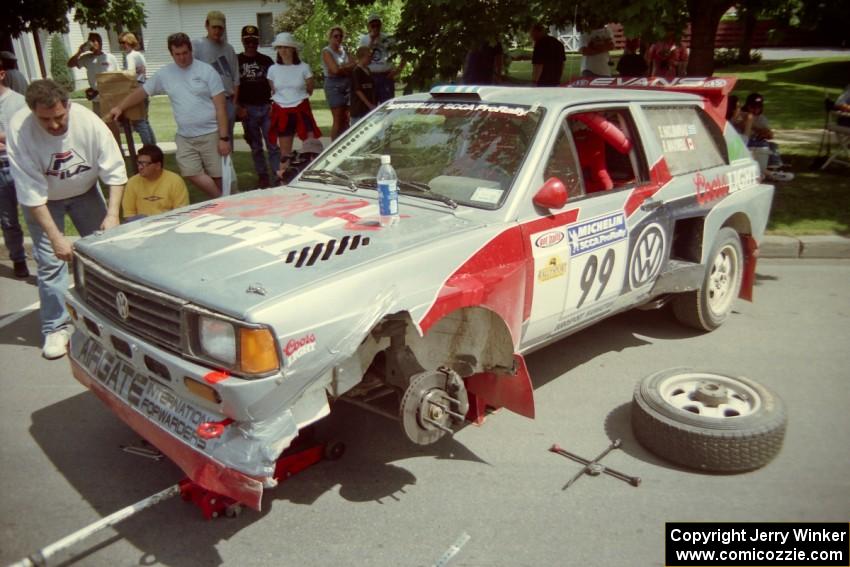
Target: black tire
[709, 306]
[679, 414]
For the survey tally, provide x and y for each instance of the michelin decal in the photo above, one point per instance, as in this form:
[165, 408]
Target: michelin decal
[601, 231]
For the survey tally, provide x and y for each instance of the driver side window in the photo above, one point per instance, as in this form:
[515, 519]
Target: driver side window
[563, 164]
[595, 151]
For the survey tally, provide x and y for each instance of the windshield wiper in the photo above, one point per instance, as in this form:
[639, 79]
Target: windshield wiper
[329, 177]
[413, 186]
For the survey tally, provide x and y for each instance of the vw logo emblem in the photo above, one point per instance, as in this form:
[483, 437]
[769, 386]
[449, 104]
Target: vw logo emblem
[647, 256]
[122, 304]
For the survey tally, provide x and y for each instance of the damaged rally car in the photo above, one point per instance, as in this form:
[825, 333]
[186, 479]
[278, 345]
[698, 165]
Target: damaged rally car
[220, 330]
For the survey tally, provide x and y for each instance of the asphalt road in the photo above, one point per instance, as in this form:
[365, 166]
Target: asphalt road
[390, 503]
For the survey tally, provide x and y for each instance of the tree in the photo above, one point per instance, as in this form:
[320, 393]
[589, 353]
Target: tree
[705, 18]
[310, 21]
[23, 16]
[58, 59]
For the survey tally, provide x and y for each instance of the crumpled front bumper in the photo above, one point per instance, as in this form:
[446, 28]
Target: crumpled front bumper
[237, 464]
[200, 468]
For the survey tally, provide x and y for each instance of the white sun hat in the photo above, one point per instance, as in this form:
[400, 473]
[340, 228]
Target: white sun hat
[285, 39]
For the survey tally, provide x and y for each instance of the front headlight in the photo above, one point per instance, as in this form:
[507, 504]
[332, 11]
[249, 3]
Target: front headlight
[217, 339]
[237, 348]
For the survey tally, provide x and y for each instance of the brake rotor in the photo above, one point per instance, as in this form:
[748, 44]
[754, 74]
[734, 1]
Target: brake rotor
[428, 410]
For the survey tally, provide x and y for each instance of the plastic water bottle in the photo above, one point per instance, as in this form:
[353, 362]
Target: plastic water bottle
[387, 193]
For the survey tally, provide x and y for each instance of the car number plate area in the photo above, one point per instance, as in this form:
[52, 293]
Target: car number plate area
[155, 401]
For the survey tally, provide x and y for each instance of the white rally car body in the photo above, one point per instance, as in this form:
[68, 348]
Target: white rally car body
[219, 330]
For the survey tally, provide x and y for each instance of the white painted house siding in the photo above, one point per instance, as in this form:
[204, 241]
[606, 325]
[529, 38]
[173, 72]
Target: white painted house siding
[166, 17]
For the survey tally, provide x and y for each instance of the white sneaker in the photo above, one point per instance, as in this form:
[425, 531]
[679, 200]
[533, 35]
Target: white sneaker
[779, 176]
[56, 344]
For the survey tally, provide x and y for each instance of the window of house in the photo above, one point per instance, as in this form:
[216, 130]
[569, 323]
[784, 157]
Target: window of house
[265, 24]
[689, 139]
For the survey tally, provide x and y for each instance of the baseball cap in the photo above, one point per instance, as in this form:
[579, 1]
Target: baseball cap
[8, 56]
[250, 32]
[372, 17]
[216, 18]
[754, 99]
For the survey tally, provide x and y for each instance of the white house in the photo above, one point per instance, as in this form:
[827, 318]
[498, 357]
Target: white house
[164, 17]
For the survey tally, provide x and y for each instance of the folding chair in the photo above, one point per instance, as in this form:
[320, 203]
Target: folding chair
[842, 134]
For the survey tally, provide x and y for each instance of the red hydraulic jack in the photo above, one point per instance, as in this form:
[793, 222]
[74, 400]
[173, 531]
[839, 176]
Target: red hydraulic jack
[293, 461]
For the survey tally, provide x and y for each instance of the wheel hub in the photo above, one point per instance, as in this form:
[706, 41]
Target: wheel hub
[434, 404]
[711, 394]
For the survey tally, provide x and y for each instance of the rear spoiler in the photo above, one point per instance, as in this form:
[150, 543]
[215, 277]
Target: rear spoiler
[715, 90]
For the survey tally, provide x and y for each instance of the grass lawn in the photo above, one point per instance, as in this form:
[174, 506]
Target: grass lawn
[813, 203]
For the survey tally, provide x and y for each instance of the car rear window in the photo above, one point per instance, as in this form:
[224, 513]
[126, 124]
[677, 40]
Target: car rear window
[689, 139]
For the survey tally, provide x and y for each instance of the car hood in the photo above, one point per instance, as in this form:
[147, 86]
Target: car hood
[234, 253]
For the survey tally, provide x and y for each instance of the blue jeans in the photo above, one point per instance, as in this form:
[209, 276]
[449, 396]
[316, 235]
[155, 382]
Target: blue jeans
[143, 127]
[256, 127]
[384, 87]
[87, 212]
[13, 236]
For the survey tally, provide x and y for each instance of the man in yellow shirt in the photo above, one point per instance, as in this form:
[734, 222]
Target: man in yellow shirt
[153, 190]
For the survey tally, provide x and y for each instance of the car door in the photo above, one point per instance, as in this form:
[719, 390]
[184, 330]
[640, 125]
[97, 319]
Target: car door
[582, 266]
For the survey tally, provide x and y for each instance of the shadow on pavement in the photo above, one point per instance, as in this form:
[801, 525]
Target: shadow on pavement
[6, 271]
[26, 331]
[615, 334]
[82, 439]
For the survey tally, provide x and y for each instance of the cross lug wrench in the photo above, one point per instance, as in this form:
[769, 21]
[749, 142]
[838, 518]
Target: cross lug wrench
[593, 467]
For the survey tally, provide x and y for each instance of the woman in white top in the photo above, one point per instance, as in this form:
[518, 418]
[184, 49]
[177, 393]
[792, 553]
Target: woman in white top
[135, 62]
[292, 84]
[337, 68]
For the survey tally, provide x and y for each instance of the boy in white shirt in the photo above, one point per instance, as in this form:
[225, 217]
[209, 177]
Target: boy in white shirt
[58, 151]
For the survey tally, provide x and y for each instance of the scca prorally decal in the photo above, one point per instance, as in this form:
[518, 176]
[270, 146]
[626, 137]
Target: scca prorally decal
[648, 256]
[594, 233]
[473, 107]
[549, 239]
[296, 348]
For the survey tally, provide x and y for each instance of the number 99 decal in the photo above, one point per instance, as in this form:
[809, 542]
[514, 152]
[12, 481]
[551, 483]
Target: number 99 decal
[596, 276]
[589, 274]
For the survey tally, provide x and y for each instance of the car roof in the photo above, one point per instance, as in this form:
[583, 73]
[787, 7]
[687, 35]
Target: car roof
[549, 96]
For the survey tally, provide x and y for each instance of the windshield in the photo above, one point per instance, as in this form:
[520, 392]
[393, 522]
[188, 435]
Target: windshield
[466, 153]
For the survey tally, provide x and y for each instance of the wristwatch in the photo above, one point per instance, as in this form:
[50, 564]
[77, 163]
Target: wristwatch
[224, 138]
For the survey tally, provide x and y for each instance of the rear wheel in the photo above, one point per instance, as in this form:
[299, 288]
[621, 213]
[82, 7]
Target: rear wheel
[708, 307]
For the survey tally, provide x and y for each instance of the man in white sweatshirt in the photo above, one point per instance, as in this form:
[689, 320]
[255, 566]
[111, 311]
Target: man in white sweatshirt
[58, 151]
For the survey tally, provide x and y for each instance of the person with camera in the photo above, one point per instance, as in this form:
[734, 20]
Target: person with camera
[91, 57]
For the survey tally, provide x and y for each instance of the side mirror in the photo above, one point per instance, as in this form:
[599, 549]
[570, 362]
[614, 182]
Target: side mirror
[553, 194]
